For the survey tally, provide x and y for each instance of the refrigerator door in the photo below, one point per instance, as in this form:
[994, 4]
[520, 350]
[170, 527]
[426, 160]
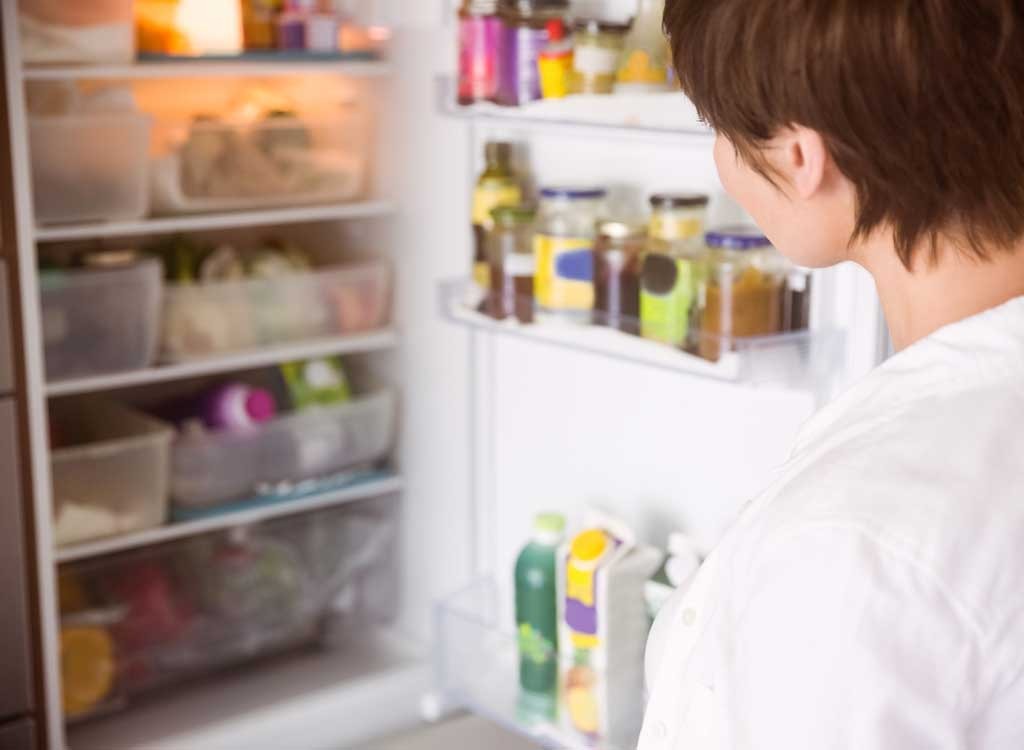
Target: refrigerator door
[15, 687]
[18, 735]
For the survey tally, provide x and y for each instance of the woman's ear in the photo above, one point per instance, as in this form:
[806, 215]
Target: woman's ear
[804, 160]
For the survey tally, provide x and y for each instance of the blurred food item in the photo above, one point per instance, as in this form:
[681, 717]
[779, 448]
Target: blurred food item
[155, 612]
[316, 382]
[87, 667]
[156, 29]
[61, 32]
[644, 64]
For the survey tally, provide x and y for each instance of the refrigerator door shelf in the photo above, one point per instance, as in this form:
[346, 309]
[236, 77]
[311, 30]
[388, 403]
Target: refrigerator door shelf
[805, 360]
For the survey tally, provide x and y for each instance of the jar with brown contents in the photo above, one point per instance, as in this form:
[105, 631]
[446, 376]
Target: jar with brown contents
[618, 255]
[743, 293]
[510, 258]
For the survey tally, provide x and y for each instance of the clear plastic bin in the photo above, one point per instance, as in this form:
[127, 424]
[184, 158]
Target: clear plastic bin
[214, 468]
[478, 668]
[100, 321]
[221, 165]
[113, 475]
[205, 319]
[90, 167]
[197, 605]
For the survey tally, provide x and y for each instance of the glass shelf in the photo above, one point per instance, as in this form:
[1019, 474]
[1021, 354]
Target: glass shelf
[807, 360]
[478, 669]
[665, 115]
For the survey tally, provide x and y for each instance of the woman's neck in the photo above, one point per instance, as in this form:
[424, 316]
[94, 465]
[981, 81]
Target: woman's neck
[919, 302]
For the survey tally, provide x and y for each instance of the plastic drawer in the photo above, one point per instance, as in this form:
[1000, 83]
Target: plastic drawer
[90, 167]
[100, 321]
[113, 476]
[185, 609]
[280, 160]
[214, 468]
[205, 319]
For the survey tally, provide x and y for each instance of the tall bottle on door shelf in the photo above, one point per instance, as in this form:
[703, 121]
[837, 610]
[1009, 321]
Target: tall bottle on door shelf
[498, 185]
[479, 36]
[536, 579]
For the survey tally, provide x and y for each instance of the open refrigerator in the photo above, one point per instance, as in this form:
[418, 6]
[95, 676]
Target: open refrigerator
[383, 595]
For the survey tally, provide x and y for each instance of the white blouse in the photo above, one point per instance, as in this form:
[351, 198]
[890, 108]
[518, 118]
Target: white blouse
[873, 597]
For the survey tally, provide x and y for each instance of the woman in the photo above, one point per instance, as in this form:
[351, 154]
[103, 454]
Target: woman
[873, 596]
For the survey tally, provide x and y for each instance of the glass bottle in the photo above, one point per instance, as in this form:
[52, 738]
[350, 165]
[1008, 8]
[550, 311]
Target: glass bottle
[644, 64]
[524, 36]
[498, 185]
[673, 268]
[510, 255]
[479, 36]
[618, 256]
[599, 46]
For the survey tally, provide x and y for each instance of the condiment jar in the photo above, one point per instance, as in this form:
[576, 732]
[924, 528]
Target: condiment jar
[599, 46]
[674, 268]
[510, 256]
[743, 292]
[618, 255]
[563, 250]
[524, 35]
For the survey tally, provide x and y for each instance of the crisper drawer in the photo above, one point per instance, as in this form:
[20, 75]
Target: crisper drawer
[213, 468]
[90, 167]
[279, 159]
[211, 318]
[100, 321]
[148, 619]
[110, 470]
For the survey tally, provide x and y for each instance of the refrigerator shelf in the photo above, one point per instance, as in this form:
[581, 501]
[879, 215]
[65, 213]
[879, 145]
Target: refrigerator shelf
[477, 668]
[371, 485]
[800, 360]
[216, 221]
[200, 67]
[379, 340]
[667, 115]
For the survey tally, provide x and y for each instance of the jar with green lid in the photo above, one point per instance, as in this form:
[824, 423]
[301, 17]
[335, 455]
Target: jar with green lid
[510, 257]
[598, 49]
[618, 256]
[743, 294]
[563, 250]
[673, 269]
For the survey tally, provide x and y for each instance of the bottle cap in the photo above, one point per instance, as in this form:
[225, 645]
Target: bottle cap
[259, 405]
[618, 229]
[679, 200]
[737, 238]
[573, 193]
[556, 30]
[549, 523]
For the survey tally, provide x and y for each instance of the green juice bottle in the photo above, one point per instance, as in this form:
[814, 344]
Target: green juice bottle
[537, 605]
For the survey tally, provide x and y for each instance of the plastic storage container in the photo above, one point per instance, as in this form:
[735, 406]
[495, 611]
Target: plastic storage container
[214, 468]
[100, 321]
[279, 160]
[78, 176]
[194, 606]
[200, 320]
[111, 470]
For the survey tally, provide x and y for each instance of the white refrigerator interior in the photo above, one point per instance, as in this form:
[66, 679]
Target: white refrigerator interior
[491, 428]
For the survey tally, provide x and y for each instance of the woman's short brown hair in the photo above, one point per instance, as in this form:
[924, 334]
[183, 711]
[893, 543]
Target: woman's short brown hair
[920, 102]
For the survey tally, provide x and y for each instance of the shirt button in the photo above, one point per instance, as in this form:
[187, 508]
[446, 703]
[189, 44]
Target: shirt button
[689, 616]
[659, 731]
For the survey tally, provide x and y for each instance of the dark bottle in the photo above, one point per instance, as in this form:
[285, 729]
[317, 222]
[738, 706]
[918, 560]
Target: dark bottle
[510, 256]
[618, 258]
[498, 185]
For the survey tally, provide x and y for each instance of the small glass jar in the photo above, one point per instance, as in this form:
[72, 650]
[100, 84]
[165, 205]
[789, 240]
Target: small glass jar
[743, 293]
[524, 36]
[673, 269]
[479, 35]
[618, 255]
[598, 49]
[563, 250]
[510, 257]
